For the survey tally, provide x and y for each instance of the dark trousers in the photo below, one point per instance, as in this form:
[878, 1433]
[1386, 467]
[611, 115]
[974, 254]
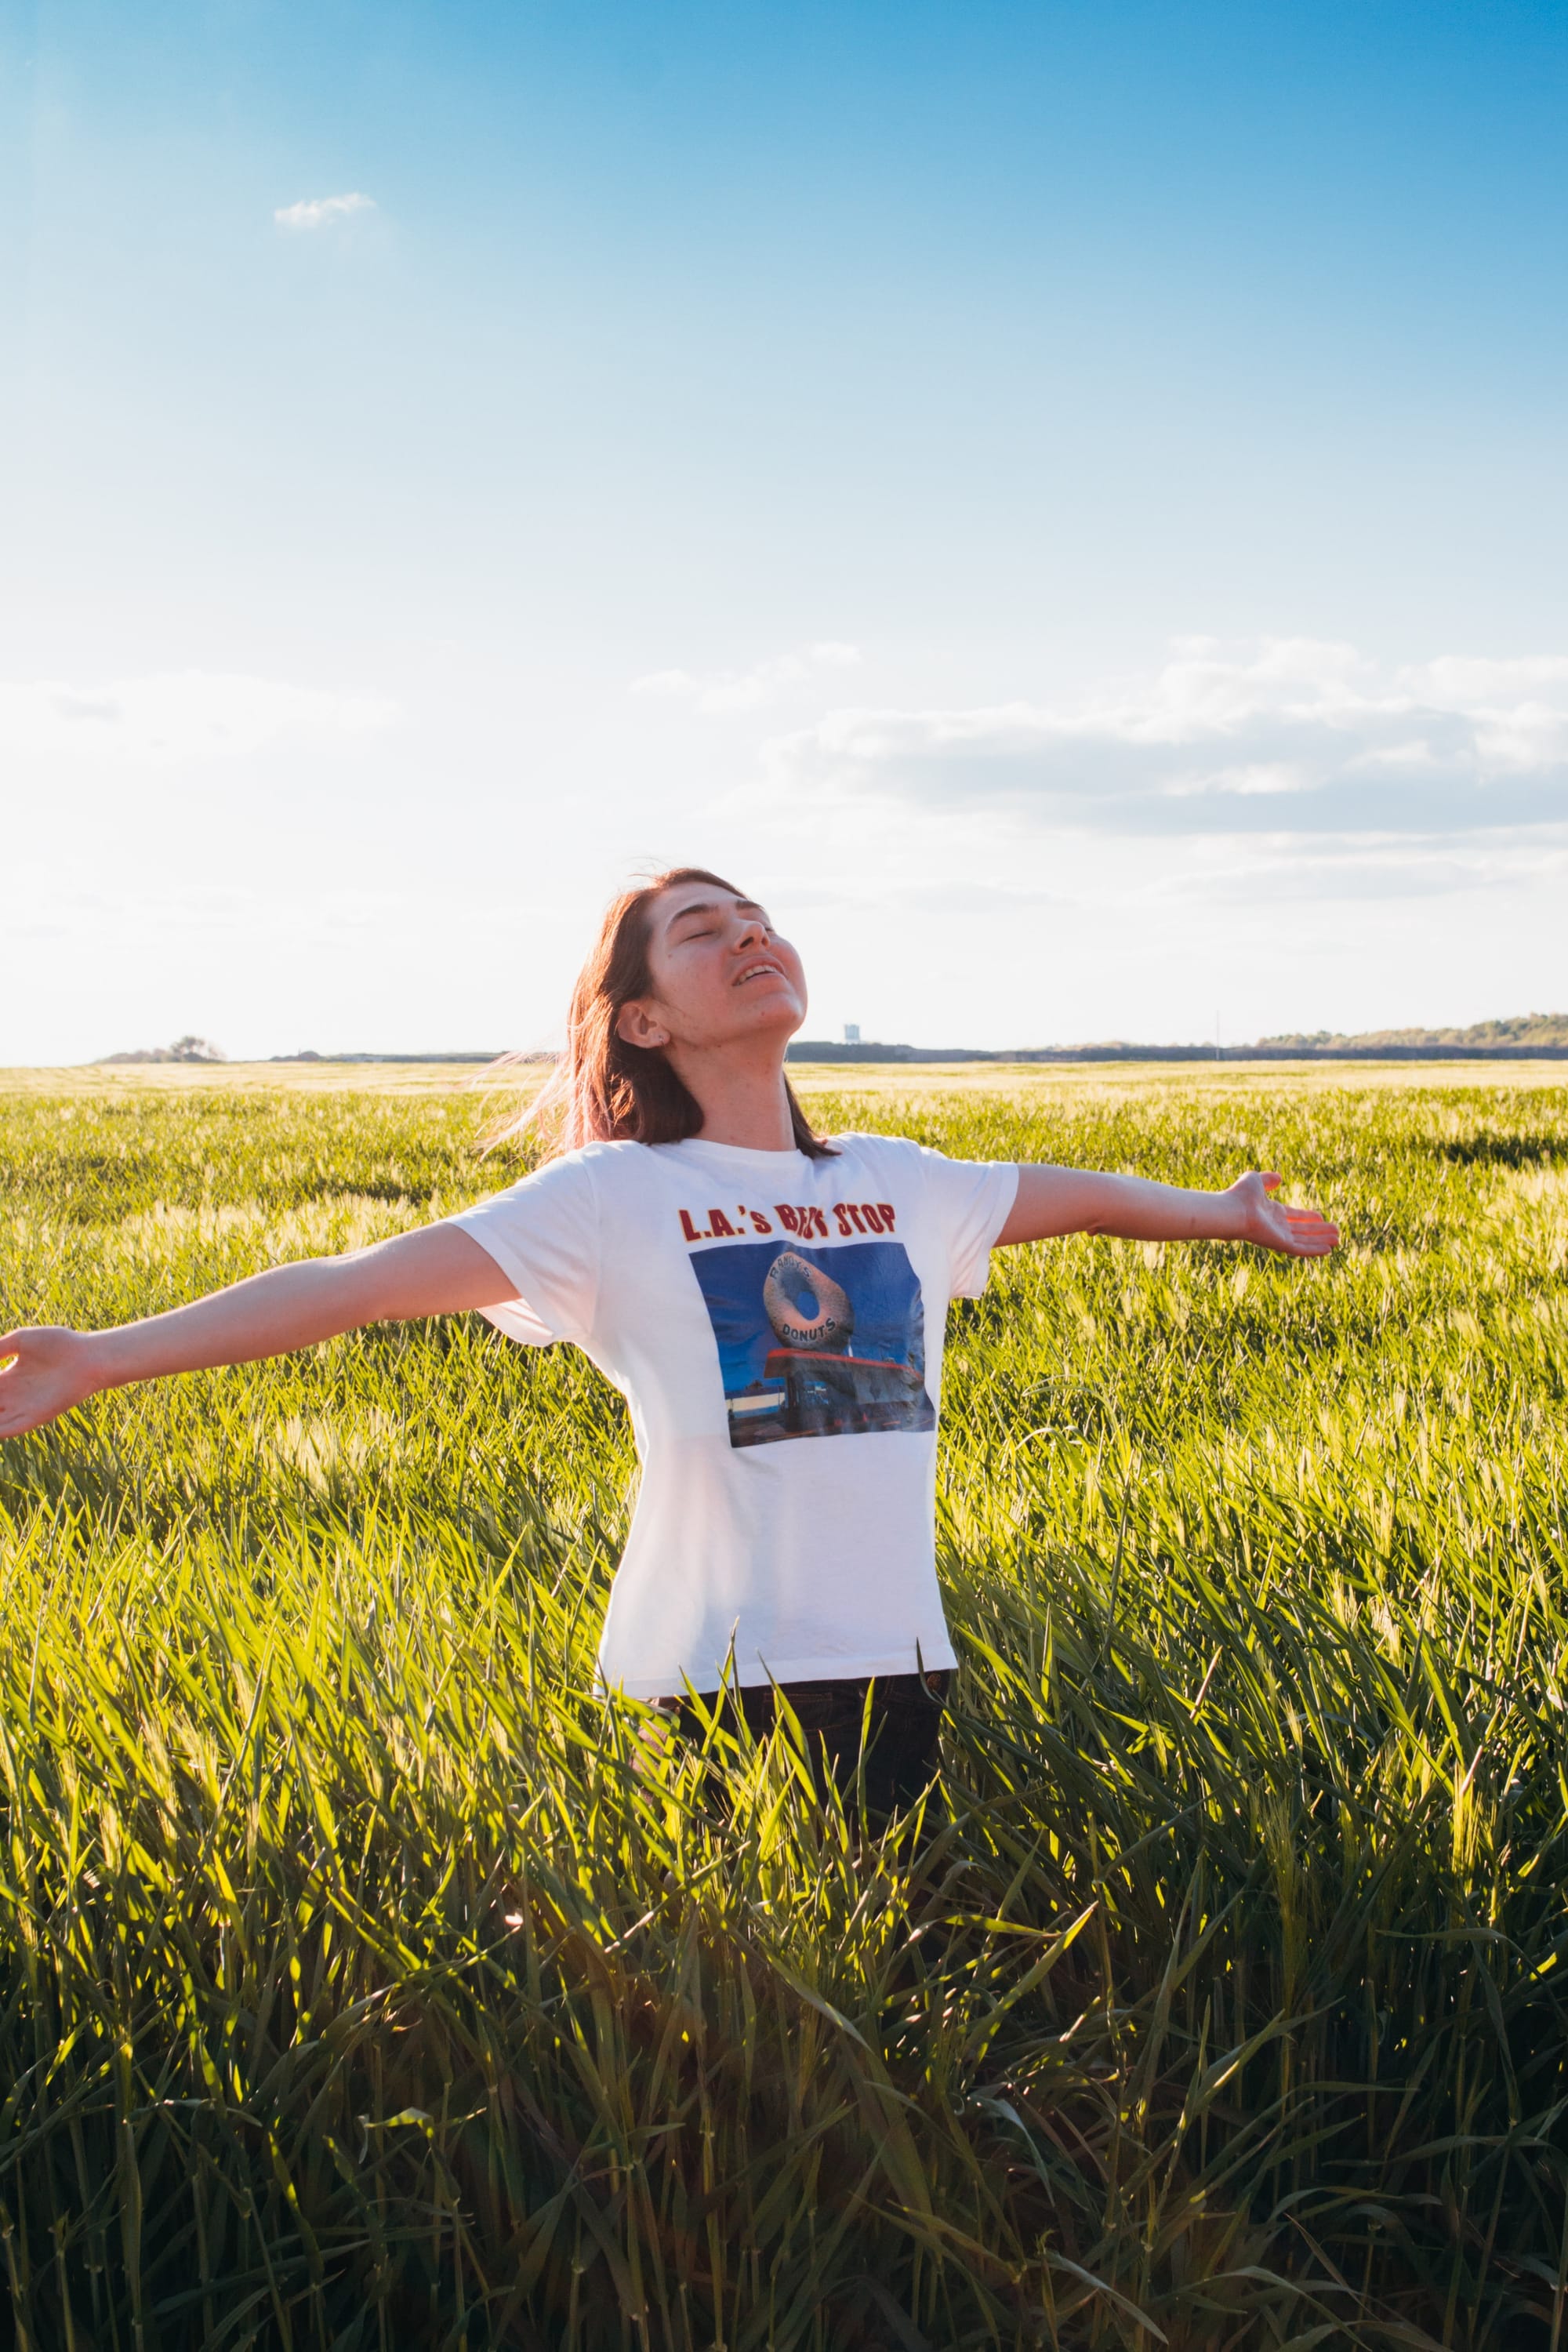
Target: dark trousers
[906, 1715]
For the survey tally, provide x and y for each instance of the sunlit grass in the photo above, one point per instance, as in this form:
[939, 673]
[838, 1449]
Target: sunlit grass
[369, 1983]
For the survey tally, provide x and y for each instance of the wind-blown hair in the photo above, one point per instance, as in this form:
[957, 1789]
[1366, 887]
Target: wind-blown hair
[602, 1090]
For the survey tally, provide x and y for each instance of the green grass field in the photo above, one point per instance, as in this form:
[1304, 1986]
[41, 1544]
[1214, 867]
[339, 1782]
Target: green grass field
[368, 1982]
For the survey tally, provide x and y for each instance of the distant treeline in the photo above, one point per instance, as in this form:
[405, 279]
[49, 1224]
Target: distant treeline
[1405, 1045]
[1524, 1037]
[475, 1056]
[1534, 1030]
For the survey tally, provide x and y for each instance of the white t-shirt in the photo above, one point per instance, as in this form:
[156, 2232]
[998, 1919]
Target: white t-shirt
[776, 1324]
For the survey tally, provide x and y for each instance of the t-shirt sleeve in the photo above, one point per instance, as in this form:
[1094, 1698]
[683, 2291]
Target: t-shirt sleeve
[543, 1233]
[972, 1200]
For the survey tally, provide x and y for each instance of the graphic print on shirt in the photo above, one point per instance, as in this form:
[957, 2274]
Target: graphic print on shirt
[816, 1343]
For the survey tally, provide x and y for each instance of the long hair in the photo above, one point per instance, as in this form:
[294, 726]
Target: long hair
[604, 1090]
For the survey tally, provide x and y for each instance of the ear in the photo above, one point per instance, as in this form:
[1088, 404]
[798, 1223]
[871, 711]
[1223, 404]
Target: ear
[636, 1026]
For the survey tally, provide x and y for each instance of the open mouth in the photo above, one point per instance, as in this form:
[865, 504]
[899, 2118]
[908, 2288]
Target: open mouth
[759, 972]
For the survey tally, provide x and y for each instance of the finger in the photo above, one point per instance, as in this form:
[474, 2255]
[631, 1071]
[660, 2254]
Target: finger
[1304, 1238]
[22, 1422]
[1271, 1181]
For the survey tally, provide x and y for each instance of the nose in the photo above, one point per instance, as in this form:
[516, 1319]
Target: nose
[753, 930]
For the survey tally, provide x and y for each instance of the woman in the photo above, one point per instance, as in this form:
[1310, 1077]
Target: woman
[751, 1288]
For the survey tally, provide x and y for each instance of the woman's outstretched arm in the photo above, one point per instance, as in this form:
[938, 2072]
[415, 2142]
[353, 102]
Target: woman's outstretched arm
[436, 1271]
[1054, 1201]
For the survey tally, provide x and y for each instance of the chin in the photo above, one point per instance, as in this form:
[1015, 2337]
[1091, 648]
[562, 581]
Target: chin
[783, 1013]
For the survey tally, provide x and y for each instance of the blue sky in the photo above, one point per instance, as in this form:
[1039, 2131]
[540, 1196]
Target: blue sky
[1066, 502]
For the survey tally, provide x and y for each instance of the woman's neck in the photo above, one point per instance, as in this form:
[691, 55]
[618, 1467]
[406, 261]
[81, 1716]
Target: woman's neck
[742, 1096]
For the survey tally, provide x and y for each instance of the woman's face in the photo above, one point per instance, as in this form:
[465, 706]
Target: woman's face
[720, 972]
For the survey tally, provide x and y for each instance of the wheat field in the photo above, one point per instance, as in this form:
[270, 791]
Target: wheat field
[369, 1982]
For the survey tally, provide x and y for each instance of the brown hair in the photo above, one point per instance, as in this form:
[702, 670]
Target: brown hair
[604, 1090]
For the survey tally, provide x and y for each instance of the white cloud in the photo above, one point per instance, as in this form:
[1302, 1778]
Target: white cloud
[1286, 736]
[727, 690]
[49, 904]
[180, 715]
[314, 212]
[1322, 873]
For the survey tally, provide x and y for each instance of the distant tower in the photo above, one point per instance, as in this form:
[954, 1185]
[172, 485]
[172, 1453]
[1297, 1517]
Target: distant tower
[852, 1032]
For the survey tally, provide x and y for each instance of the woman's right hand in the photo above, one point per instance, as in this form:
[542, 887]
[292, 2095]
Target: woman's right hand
[434, 1270]
[50, 1370]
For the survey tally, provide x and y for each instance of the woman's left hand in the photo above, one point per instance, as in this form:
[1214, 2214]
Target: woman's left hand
[1274, 1224]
